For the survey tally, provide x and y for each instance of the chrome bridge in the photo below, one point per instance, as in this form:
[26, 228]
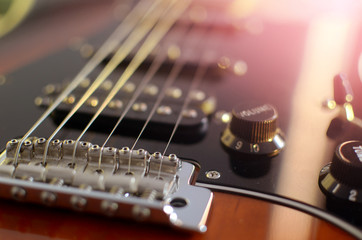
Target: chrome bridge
[125, 183]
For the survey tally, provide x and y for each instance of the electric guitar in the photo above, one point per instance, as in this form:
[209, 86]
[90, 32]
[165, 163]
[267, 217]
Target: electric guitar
[181, 119]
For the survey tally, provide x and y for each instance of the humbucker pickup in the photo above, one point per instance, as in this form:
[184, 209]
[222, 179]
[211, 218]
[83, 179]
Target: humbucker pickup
[192, 128]
[116, 182]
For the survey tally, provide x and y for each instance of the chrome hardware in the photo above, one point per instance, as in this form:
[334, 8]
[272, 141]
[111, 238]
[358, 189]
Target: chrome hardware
[107, 156]
[18, 193]
[139, 107]
[78, 203]
[190, 113]
[164, 110]
[48, 198]
[109, 208]
[213, 174]
[136, 160]
[151, 90]
[110, 181]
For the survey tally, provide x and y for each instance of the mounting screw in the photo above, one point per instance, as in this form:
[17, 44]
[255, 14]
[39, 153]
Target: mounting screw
[213, 174]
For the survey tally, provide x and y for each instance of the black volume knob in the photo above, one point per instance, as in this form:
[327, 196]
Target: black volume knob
[347, 163]
[253, 129]
[342, 178]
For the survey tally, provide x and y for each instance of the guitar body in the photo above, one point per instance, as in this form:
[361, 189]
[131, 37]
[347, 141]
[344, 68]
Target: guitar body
[232, 217]
[264, 57]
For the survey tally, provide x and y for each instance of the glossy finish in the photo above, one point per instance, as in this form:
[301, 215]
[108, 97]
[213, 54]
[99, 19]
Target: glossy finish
[232, 217]
[289, 63]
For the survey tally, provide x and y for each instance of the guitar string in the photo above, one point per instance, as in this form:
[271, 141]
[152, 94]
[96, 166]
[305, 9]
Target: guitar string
[106, 48]
[172, 13]
[198, 77]
[155, 65]
[175, 71]
[170, 79]
[126, 47]
[200, 72]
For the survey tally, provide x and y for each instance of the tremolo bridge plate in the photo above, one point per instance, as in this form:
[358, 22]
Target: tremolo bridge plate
[153, 188]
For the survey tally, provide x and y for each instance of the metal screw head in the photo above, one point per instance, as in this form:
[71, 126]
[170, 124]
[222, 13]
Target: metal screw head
[157, 155]
[125, 150]
[164, 110]
[48, 198]
[141, 152]
[68, 141]
[84, 145]
[189, 113]
[41, 140]
[115, 104]
[198, 95]
[172, 157]
[129, 87]
[140, 213]
[107, 85]
[78, 202]
[55, 142]
[151, 90]
[139, 107]
[174, 92]
[92, 102]
[109, 208]
[18, 193]
[13, 142]
[213, 174]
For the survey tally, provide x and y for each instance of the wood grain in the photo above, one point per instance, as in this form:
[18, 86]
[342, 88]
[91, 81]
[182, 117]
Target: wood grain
[232, 217]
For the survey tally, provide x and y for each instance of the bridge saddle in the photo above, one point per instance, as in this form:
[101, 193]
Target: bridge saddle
[113, 181]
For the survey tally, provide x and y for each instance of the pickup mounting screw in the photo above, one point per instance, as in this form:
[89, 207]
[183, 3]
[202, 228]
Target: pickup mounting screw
[213, 174]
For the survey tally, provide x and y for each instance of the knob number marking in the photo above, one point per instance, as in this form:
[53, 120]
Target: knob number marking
[335, 189]
[239, 145]
[352, 195]
[358, 151]
[254, 148]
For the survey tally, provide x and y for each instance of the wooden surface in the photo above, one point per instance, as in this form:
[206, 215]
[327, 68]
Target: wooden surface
[232, 217]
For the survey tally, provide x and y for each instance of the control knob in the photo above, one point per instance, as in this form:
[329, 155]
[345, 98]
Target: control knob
[342, 178]
[253, 129]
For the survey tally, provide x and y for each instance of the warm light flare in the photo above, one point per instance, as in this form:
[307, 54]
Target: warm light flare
[242, 8]
[309, 9]
[349, 111]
